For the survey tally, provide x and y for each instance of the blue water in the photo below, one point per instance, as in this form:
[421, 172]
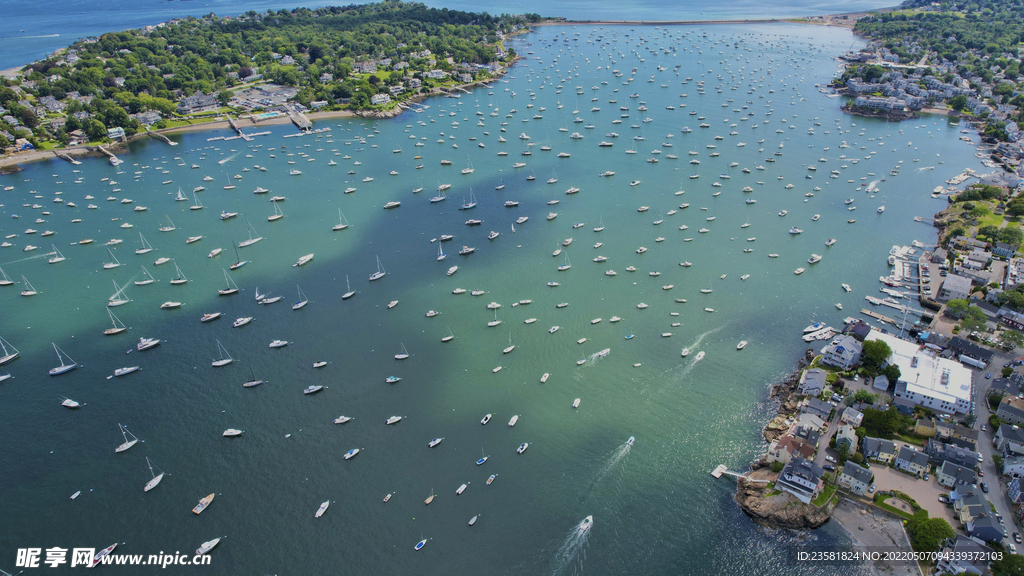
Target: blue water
[29, 30]
[656, 508]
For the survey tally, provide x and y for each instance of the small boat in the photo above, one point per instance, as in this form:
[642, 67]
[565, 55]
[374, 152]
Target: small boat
[312, 389]
[210, 544]
[154, 477]
[586, 524]
[351, 454]
[741, 345]
[403, 354]
[203, 504]
[323, 508]
[239, 322]
[513, 421]
[224, 359]
[699, 357]
[522, 447]
[392, 379]
[420, 544]
[278, 343]
[576, 403]
[485, 419]
[320, 364]
[125, 433]
[302, 261]
[393, 420]
[252, 380]
[349, 291]
[474, 518]
[69, 403]
[126, 370]
[386, 498]
[342, 419]
[461, 489]
[232, 432]
[433, 443]
[376, 275]
[64, 366]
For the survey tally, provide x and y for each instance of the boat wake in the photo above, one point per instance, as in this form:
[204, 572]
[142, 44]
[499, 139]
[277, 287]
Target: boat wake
[621, 452]
[593, 358]
[570, 555]
[693, 348]
[873, 186]
[228, 159]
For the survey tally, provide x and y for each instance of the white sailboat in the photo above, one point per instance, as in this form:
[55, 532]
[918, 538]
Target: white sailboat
[232, 287]
[118, 325]
[181, 196]
[180, 279]
[277, 215]
[127, 443]
[225, 358]
[147, 278]
[155, 478]
[252, 239]
[403, 355]
[239, 262]
[4, 280]
[170, 225]
[57, 256]
[64, 366]
[349, 292]
[441, 254]
[119, 298]
[146, 247]
[342, 222]
[113, 261]
[302, 299]
[449, 337]
[10, 352]
[198, 205]
[379, 273]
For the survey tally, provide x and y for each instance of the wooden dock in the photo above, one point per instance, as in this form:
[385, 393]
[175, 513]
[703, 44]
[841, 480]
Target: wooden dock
[717, 473]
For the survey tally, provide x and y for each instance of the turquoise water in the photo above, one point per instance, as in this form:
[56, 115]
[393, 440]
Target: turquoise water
[656, 509]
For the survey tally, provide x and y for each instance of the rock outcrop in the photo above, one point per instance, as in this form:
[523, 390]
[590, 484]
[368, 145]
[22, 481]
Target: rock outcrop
[777, 509]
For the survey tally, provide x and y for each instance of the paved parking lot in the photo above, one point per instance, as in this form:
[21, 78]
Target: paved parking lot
[925, 492]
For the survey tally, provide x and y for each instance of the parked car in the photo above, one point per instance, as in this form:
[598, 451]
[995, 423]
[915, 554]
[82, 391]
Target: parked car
[871, 489]
[981, 473]
[983, 428]
[829, 467]
[1016, 538]
[830, 458]
[984, 487]
[943, 499]
[988, 376]
[926, 476]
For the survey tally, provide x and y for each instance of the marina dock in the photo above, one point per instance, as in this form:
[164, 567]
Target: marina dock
[63, 156]
[723, 469]
[238, 129]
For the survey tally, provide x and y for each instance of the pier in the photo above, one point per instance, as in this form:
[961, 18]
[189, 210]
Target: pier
[160, 136]
[299, 119]
[114, 160]
[63, 156]
[723, 469]
[238, 129]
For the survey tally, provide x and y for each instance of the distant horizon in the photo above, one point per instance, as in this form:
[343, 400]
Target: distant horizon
[29, 38]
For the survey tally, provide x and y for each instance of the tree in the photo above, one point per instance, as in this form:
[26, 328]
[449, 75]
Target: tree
[874, 353]
[1008, 565]
[927, 534]
[315, 53]
[223, 97]
[777, 466]
[884, 423]
[957, 308]
[958, 103]
[892, 372]
[863, 396]
[1011, 337]
[974, 319]
[1006, 372]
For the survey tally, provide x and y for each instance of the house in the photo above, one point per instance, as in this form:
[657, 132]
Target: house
[842, 352]
[806, 434]
[378, 99]
[939, 255]
[436, 74]
[784, 448]
[880, 382]
[968, 504]
[852, 417]
[364, 67]
[148, 118]
[465, 78]
[1013, 466]
[116, 133]
[954, 287]
[927, 379]
[1013, 491]
[951, 475]
[962, 555]
[985, 528]
[197, 102]
[939, 452]
[318, 104]
[812, 382]
[396, 89]
[1009, 439]
[879, 450]
[810, 421]
[855, 478]
[801, 478]
[1011, 410]
[858, 330]
[912, 461]
[415, 83]
[962, 347]
[287, 60]
[846, 436]
[924, 427]
[816, 406]
[1003, 249]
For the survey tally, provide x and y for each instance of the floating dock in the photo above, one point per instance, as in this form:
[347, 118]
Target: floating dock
[717, 473]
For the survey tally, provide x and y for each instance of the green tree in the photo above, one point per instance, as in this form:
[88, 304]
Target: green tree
[1008, 565]
[958, 103]
[957, 308]
[1011, 337]
[884, 423]
[892, 372]
[223, 97]
[777, 466]
[974, 319]
[927, 534]
[863, 396]
[874, 353]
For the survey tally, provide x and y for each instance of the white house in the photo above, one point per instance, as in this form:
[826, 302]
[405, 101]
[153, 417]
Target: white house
[842, 352]
[378, 99]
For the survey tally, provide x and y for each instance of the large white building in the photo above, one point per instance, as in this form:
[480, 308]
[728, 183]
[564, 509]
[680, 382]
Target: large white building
[925, 379]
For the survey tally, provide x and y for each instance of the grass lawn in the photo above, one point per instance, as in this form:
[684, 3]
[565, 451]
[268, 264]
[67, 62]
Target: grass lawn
[825, 496]
[879, 502]
[910, 439]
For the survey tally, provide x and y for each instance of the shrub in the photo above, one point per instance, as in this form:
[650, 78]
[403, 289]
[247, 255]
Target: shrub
[777, 466]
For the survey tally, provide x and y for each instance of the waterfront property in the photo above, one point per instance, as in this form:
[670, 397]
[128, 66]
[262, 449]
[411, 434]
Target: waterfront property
[926, 379]
[954, 287]
[855, 478]
[802, 479]
[842, 352]
[813, 381]
[785, 448]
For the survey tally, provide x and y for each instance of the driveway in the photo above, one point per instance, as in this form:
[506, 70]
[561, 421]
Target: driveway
[925, 492]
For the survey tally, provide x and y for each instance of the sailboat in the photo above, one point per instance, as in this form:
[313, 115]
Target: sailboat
[156, 478]
[302, 300]
[472, 201]
[342, 223]
[127, 443]
[494, 322]
[170, 225]
[441, 254]
[440, 193]
[30, 291]
[118, 325]
[277, 215]
[225, 358]
[511, 346]
[198, 205]
[449, 337]
[230, 186]
[181, 196]
[4, 280]
[146, 248]
[181, 277]
[567, 264]
[240, 262]
[113, 261]
[252, 240]
[403, 355]
[119, 297]
[469, 170]
[379, 273]
[147, 278]
[349, 291]
[232, 287]
[252, 380]
[10, 352]
[429, 500]
[58, 257]
[600, 225]
[64, 367]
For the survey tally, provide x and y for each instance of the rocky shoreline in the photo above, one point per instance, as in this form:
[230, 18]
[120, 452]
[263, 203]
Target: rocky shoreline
[894, 115]
[770, 507]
